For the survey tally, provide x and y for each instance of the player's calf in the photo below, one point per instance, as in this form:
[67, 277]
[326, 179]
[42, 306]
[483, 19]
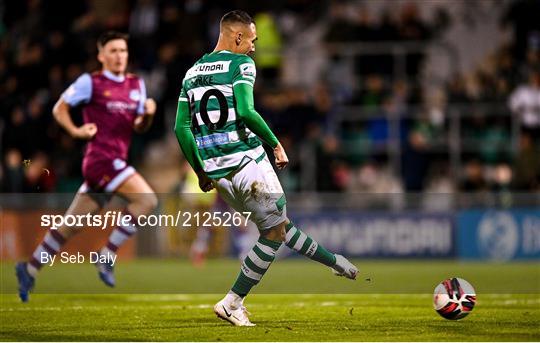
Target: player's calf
[45, 251]
[142, 204]
[300, 242]
[117, 238]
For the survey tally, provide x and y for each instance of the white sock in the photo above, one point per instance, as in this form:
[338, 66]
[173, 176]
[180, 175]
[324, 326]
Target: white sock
[31, 270]
[233, 300]
[104, 251]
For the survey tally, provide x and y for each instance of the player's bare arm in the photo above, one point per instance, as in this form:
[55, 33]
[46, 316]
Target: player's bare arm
[142, 123]
[61, 112]
[281, 157]
[205, 183]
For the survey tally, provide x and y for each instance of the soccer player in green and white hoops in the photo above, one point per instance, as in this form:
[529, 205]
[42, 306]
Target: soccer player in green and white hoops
[220, 134]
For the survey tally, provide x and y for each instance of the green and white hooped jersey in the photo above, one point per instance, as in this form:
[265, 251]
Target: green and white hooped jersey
[224, 142]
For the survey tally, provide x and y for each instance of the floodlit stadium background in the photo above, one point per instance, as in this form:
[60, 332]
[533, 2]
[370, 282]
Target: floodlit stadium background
[406, 122]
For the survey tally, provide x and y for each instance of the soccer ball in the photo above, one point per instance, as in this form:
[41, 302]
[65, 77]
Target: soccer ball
[454, 298]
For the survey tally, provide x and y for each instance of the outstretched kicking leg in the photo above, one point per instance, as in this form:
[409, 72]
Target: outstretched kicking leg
[256, 188]
[300, 242]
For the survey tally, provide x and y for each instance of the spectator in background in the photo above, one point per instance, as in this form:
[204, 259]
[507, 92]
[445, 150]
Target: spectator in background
[473, 178]
[416, 156]
[340, 29]
[523, 16]
[372, 94]
[13, 173]
[525, 103]
[47, 44]
[143, 25]
[38, 174]
[527, 165]
[412, 28]
[269, 48]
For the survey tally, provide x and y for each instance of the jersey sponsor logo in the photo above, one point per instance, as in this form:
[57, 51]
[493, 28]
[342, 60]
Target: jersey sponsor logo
[208, 68]
[120, 106]
[212, 140]
[135, 95]
[248, 69]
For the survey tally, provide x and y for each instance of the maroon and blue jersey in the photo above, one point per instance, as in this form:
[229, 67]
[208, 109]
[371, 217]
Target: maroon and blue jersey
[112, 103]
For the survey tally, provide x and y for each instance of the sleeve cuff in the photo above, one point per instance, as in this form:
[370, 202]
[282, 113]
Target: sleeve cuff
[242, 81]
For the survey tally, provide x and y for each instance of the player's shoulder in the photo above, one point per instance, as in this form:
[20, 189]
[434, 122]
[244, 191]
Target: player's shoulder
[229, 56]
[84, 79]
[243, 58]
[245, 67]
[131, 76]
[94, 74]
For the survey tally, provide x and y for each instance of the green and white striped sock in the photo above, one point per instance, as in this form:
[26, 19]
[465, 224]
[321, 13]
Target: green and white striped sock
[297, 240]
[254, 266]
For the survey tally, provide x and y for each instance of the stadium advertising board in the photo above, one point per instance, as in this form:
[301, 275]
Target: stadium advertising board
[499, 235]
[382, 235]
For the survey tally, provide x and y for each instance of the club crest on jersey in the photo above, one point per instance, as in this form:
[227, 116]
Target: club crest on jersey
[135, 95]
[107, 93]
[119, 164]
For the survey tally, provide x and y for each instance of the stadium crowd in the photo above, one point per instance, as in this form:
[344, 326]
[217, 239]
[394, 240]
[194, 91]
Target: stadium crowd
[46, 45]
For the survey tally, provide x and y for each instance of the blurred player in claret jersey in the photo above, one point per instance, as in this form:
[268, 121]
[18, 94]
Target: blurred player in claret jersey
[114, 105]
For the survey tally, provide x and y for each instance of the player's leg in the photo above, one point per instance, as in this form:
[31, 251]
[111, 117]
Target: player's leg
[141, 197]
[300, 242]
[199, 246]
[141, 201]
[53, 241]
[257, 262]
[243, 237]
[254, 266]
[241, 193]
[201, 203]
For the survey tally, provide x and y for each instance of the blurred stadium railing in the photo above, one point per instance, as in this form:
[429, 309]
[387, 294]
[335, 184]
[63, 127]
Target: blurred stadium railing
[452, 140]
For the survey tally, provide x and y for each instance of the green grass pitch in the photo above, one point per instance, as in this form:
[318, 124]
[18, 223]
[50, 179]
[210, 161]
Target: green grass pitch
[298, 300]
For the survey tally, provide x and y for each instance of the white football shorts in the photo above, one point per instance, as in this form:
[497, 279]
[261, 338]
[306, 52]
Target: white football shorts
[255, 188]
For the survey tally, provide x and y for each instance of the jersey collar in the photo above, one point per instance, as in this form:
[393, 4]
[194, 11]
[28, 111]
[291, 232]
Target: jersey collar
[111, 76]
[220, 52]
